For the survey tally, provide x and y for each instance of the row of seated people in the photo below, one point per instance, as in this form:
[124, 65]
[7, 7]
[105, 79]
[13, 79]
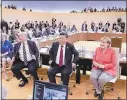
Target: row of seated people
[46, 28]
[15, 7]
[113, 9]
[25, 54]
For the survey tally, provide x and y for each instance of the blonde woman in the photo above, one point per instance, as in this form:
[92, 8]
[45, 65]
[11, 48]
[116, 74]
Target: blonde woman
[104, 66]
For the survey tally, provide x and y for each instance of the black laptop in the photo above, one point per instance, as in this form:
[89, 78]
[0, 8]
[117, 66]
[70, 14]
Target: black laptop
[49, 91]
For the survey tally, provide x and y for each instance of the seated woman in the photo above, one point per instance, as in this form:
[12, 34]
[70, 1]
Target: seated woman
[104, 66]
[6, 53]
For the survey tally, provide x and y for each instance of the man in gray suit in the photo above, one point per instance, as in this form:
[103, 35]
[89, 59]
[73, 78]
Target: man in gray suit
[61, 59]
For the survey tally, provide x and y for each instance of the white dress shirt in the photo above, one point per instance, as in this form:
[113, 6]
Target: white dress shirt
[29, 56]
[58, 54]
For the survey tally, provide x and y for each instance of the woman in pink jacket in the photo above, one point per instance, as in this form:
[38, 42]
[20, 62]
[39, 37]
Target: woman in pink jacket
[104, 66]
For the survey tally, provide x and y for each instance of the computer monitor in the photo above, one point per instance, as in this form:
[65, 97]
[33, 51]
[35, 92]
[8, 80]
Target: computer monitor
[49, 91]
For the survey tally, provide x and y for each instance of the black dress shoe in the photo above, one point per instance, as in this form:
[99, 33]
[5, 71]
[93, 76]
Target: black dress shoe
[100, 97]
[23, 83]
[95, 94]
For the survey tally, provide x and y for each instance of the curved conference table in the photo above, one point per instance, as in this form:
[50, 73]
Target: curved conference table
[86, 37]
[85, 62]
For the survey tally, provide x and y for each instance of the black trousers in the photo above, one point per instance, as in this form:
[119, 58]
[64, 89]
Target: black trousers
[32, 68]
[54, 70]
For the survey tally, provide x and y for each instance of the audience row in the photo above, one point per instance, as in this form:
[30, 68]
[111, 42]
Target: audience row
[38, 29]
[113, 9]
[15, 7]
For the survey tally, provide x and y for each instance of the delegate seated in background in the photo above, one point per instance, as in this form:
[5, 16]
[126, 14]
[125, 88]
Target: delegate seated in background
[108, 24]
[61, 54]
[4, 25]
[47, 31]
[100, 24]
[52, 30]
[17, 24]
[105, 28]
[64, 29]
[36, 33]
[93, 27]
[68, 29]
[74, 29]
[104, 66]
[44, 31]
[122, 27]
[6, 53]
[84, 26]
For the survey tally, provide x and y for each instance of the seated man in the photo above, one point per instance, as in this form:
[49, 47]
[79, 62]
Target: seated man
[25, 55]
[61, 59]
[84, 27]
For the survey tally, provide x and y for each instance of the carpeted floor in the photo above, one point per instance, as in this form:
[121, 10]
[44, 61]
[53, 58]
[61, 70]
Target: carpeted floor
[15, 92]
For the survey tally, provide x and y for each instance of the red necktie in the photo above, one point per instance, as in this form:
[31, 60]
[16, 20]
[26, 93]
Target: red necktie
[61, 57]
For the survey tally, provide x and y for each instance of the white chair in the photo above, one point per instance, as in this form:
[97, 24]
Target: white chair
[109, 86]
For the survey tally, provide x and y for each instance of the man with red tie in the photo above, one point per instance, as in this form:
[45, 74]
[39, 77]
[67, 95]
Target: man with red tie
[61, 61]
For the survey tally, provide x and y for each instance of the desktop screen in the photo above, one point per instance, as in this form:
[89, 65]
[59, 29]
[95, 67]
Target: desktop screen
[45, 90]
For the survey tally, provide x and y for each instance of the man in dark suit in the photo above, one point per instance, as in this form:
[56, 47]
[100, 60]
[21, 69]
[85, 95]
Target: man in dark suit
[107, 24]
[122, 27]
[17, 24]
[113, 26]
[25, 55]
[84, 26]
[61, 59]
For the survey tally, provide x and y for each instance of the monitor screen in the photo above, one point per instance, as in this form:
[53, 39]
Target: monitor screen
[45, 90]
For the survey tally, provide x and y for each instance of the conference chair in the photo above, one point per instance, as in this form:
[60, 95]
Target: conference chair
[109, 86]
[42, 72]
[72, 82]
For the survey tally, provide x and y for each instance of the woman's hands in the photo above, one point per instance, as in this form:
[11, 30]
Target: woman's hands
[98, 64]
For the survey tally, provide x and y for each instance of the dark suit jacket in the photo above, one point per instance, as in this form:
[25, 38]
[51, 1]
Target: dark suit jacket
[69, 51]
[4, 24]
[36, 35]
[32, 48]
[83, 27]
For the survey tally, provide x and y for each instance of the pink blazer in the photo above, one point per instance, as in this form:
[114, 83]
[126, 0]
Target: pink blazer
[108, 59]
